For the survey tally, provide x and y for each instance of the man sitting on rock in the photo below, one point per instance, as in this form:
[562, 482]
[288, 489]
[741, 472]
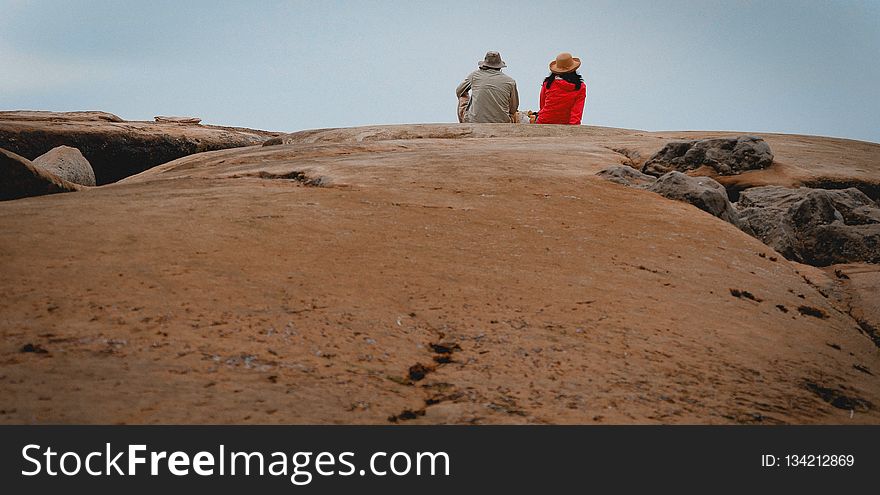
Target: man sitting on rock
[493, 95]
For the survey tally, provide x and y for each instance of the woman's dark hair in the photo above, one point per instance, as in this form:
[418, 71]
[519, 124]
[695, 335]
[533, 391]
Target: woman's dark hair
[572, 77]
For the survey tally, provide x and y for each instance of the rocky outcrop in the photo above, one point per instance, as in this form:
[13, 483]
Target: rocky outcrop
[19, 178]
[725, 156]
[626, 176]
[702, 192]
[814, 226]
[116, 148]
[67, 163]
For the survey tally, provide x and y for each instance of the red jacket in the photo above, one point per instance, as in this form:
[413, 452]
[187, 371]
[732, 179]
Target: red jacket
[561, 104]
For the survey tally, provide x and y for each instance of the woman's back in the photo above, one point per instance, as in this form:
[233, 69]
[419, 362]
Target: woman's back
[562, 102]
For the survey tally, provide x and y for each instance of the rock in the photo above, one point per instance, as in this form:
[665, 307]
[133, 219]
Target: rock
[67, 163]
[177, 120]
[116, 148]
[726, 156]
[814, 226]
[703, 192]
[627, 176]
[19, 178]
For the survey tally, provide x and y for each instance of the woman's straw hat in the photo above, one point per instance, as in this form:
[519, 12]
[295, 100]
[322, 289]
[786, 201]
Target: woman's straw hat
[564, 63]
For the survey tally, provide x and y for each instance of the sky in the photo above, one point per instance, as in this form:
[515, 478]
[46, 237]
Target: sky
[806, 67]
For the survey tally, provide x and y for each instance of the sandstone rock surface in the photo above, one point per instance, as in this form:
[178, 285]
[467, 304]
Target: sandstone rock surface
[473, 274]
[858, 286]
[67, 163]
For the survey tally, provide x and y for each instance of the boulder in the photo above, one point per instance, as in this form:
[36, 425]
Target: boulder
[19, 178]
[726, 156]
[814, 226]
[703, 192]
[67, 163]
[627, 176]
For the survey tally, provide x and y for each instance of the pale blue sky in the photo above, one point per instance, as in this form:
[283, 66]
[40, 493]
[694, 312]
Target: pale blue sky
[769, 66]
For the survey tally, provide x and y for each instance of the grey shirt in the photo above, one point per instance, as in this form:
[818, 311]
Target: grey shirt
[493, 96]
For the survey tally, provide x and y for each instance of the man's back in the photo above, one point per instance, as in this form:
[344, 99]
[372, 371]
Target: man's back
[494, 97]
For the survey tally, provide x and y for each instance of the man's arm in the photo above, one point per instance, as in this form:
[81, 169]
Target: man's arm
[514, 103]
[464, 87]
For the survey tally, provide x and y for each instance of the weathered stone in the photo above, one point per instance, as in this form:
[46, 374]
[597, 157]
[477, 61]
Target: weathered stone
[627, 176]
[726, 156]
[67, 163]
[703, 192]
[19, 178]
[814, 226]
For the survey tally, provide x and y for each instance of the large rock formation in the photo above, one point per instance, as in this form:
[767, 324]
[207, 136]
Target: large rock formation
[429, 279]
[702, 192]
[116, 148]
[67, 163]
[19, 178]
[814, 226]
[725, 156]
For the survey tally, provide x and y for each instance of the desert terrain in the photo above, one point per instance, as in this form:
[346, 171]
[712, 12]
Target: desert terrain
[432, 273]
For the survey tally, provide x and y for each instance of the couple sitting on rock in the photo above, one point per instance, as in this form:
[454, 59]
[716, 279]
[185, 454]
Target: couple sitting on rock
[488, 95]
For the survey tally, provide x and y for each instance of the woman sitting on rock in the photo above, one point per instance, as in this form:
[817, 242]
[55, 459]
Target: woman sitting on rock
[563, 93]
